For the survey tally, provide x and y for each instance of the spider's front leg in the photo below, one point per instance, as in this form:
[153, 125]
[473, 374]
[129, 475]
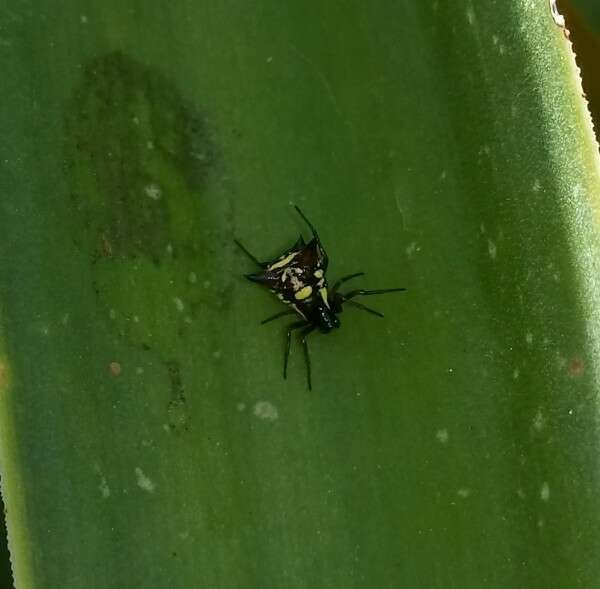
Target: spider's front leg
[339, 299]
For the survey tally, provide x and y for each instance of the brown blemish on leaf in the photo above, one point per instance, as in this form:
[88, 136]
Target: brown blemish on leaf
[141, 160]
[115, 368]
[130, 135]
[576, 367]
[105, 247]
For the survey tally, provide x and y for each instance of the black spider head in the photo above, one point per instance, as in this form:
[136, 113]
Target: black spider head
[324, 318]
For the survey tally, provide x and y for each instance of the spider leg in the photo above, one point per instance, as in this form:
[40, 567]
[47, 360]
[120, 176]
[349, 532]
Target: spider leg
[361, 292]
[305, 333]
[363, 307]
[291, 327]
[253, 258]
[345, 279]
[322, 255]
[277, 315]
[312, 227]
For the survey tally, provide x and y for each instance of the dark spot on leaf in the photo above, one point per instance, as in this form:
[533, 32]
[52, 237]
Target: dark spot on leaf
[174, 372]
[136, 148]
[178, 417]
[142, 165]
[576, 367]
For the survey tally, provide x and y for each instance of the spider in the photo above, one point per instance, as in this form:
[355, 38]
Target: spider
[298, 279]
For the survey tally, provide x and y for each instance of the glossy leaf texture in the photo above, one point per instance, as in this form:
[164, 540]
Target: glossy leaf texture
[147, 437]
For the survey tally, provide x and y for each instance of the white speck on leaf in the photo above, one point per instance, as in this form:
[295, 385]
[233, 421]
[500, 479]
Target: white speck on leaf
[516, 373]
[411, 248]
[463, 492]
[539, 421]
[545, 492]
[143, 482]
[529, 338]
[442, 436]
[153, 191]
[265, 410]
[178, 304]
[492, 249]
[104, 488]
[470, 16]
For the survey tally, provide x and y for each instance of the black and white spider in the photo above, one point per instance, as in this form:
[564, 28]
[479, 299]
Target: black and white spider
[298, 279]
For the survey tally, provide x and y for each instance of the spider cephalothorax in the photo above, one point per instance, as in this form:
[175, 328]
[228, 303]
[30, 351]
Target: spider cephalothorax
[298, 279]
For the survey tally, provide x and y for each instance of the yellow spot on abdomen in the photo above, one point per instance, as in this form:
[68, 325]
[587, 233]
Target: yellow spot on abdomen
[303, 293]
[323, 293]
[283, 262]
[318, 273]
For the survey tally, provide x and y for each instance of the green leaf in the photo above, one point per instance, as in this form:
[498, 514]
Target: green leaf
[147, 438]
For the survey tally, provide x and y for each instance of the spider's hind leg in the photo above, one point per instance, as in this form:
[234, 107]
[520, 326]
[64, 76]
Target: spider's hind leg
[291, 327]
[305, 333]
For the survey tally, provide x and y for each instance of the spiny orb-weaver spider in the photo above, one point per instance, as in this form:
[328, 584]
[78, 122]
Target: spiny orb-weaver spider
[297, 278]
